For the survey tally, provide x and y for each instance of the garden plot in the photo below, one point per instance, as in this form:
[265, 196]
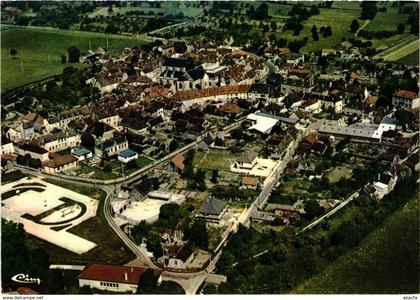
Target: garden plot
[39, 210]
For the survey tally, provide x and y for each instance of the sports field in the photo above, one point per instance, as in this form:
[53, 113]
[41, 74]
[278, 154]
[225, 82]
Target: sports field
[34, 45]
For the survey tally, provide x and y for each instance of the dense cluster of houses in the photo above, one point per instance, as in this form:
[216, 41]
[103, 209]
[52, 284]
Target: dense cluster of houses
[144, 90]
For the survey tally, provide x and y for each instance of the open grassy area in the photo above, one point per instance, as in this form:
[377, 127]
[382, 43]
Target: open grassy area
[339, 172]
[412, 58]
[168, 7]
[213, 160]
[403, 51]
[385, 262]
[34, 44]
[387, 20]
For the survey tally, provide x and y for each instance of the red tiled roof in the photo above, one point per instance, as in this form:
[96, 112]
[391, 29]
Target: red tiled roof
[406, 94]
[231, 108]
[112, 273]
[59, 161]
[223, 90]
[178, 161]
[26, 291]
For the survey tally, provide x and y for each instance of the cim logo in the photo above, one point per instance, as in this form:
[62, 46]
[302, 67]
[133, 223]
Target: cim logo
[22, 278]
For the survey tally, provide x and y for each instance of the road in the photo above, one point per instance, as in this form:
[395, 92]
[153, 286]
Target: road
[331, 212]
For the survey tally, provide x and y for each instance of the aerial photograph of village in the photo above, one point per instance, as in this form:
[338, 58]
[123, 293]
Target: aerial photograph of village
[210, 148]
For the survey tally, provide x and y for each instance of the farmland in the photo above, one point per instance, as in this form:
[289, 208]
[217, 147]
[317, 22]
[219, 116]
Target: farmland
[35, 44]
[363, 270]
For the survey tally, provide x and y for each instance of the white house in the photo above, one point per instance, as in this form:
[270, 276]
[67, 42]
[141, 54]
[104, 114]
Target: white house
[81, 153]
[112, 278]
[406, 99]
[60, 164]
[112, 147]
[6, 146]
[127, 156]
[247, 160]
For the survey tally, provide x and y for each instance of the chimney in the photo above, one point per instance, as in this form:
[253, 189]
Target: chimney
[125, 276]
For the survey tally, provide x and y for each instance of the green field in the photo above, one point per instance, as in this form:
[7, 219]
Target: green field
[168, 7]
[34, 44]
[339, 172]
[213, 161]
[412, 58]
[388, 20]
[385, 262]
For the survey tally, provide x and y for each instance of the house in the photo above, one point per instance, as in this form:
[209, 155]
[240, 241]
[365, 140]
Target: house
[101, 131]
[177, 163]
[247, 160]
[212, 210]
[203, 146]
[81, 153]
[263, 216]
[249, 182]
[58, 141]
[127, 156]
[263, 123]
[60, 163]
[37, 120]
[111, 147]
[406, 99]
[6, 146]
[384, 184]
[231, 109]
[112, 278]
[34, 151]
[182, 258]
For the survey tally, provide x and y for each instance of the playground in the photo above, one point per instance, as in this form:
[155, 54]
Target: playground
[43, 207]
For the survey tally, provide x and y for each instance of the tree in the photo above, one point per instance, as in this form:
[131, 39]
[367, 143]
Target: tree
[63, 59]
[327, 31]
[273, 25]
[199, 235]
[147, 282]
[87, 140]
[354, 26]
[312, 209]
[214, 175]
[110, 10]
[154, 243]
[400, 28]
[13, 53]
[173, 145]
[314, 33]
[74, 54]
[180, 47]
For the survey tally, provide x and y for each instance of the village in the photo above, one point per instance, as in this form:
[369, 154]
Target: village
[192, 143]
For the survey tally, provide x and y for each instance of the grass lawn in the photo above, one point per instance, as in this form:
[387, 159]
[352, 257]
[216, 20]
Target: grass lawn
[396, 45]
[412, 58]
[166, 8]
[403, 51]
[34, 44]
[385, 262]
[109, 249]
[296, 186]
[213, 160]
[339, 172]
[388, 20]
